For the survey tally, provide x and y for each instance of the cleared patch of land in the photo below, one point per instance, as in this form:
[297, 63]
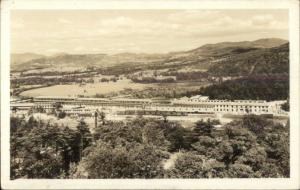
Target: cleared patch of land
[85, 90]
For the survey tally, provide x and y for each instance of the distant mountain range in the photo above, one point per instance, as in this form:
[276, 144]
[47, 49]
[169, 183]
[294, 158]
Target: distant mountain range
[18, 58]
[220, 58]
[223, 48]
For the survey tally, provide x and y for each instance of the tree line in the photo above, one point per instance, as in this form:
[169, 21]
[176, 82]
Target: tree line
[259, 87]
[152, 80]
[188, 76]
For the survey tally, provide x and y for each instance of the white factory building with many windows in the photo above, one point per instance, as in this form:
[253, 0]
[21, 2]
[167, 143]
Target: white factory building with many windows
[196, 104]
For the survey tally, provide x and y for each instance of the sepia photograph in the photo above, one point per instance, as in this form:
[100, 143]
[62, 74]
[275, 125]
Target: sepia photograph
[150, 93]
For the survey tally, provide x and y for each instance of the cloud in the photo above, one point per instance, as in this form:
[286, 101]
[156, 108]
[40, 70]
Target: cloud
[262, 19]
[267, 21]
[53, 50]
[79, 48]
[157, 31]
[64, 21]
[187, 24]
[192, 16]
[118, 22]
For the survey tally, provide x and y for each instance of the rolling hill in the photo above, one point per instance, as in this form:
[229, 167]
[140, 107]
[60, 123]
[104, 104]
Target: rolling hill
[260, 61]
[19, 58]
[82, 61]
[226, 48]
[225, 58]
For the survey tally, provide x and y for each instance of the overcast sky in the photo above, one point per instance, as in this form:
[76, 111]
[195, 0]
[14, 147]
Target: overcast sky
[148, 31]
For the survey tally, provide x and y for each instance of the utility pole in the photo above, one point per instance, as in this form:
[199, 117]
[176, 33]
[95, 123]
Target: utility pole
[96, 118]
[80, 146]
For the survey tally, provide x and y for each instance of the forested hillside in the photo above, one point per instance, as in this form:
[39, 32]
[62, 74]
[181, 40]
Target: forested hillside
[227, 48]
[260, 61]
[255, 87]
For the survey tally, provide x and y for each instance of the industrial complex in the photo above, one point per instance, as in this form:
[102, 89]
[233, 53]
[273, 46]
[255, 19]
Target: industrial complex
[75, 106]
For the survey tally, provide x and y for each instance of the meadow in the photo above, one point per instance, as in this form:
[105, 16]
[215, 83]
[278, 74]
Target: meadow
[86, 89]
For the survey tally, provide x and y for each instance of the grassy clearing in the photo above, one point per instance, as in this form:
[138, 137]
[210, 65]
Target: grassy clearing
[85, 90]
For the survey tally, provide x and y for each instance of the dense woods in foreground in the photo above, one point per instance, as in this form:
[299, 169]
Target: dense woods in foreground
[251, 147]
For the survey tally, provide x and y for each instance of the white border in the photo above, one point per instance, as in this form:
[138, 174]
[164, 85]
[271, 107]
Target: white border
[289, 183]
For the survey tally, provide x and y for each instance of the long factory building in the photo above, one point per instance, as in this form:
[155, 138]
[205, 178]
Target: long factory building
[196, 104]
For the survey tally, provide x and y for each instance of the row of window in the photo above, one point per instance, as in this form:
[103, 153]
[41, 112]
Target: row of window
[242, 106]
[242, 110]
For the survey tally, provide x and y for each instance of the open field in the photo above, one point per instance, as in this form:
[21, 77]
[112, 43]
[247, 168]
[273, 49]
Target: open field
[85, 90]
[119, 87]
